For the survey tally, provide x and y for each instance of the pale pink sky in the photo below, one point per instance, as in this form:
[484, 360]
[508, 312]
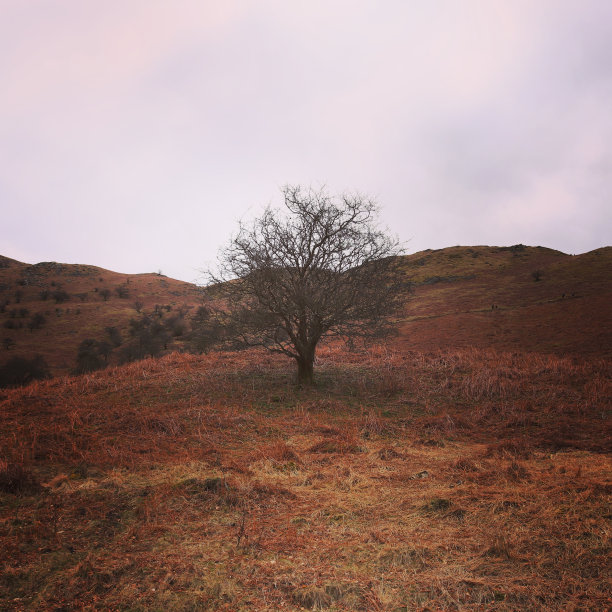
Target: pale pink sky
[135, 134]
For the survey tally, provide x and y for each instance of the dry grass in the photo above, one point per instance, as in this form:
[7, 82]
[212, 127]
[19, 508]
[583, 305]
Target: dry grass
[468, 480]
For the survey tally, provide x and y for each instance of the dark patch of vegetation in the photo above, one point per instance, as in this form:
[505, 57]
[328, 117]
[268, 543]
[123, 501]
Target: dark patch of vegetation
[122, 292]
[60, 296]
[15, 479]
[19, 371]
[92, 355]
[149, 337]
[37, 321]
[114, 335]
[11, 324]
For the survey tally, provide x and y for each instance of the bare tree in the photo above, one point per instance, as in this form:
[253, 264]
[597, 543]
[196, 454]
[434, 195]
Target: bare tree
[322, 268]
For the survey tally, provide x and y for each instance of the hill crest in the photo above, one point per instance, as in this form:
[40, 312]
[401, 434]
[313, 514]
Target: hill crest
[508, 298]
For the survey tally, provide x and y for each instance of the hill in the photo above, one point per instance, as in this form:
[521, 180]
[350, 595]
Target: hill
[78, 302]
[458, 297]
[466, 480]
[425, 474]
[489, 297]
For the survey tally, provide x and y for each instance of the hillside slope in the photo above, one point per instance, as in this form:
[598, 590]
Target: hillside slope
[486, 297]
[77, 302]
[451, 480]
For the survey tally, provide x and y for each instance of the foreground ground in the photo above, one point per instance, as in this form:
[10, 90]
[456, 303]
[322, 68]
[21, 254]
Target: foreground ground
[470, 480]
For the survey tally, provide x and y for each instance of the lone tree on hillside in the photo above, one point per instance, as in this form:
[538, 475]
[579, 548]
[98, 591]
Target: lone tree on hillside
[321, 269]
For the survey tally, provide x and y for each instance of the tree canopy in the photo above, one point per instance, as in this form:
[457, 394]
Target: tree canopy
[319, 268]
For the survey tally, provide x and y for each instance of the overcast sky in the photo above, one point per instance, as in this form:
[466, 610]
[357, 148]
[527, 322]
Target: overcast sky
[134, 134]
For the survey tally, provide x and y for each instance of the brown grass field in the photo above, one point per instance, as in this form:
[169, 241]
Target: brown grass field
[456, 479]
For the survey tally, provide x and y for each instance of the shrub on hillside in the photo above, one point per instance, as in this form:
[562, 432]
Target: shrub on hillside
[122, 291]
[114, 335]
[149, 337]
[92, 355]
[19, 371]
[37, 321]
[176, 326]
[60, 296]
[205, 331]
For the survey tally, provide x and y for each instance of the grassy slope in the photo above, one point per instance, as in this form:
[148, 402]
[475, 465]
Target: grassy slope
[213, 483]
[457, 311]
[404, 481]
[71, 322]
[450, 307]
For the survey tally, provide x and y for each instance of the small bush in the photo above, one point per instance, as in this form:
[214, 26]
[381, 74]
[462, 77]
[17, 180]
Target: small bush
[465, 465]
[122, 291]
[114, 335]
[92, 355]
[517, 472]
[19, 371]
[15, 479]
[37, 321]
[60, 296]
[437, 504]
[278, 452]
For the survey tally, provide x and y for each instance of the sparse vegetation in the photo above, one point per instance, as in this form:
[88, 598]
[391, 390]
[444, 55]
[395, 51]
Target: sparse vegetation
[105, 293]
[37, 321]
[114, 335]
[123, 292]
[92, 355]
[60, 296]
[19, 371]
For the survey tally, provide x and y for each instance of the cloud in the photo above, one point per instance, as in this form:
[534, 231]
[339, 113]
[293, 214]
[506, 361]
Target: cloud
[134, 136]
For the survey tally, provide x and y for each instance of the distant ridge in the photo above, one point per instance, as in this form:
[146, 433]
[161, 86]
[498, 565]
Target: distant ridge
[510, 298]
[7, 262]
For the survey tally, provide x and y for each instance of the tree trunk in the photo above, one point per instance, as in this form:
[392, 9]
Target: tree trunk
[305, 370]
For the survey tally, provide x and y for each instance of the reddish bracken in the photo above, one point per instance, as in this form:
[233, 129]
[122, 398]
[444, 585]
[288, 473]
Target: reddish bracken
[445, 480]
